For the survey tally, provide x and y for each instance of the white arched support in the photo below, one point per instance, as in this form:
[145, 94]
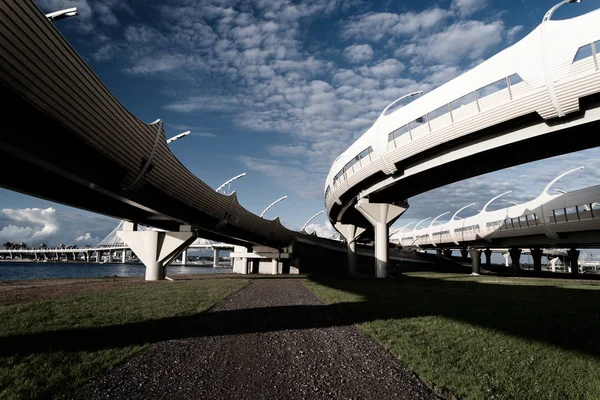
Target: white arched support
[545, 196]
[431, 227]
[310, 219]
[271, 205]
[415, 237]
[452, 220]
[229, 182]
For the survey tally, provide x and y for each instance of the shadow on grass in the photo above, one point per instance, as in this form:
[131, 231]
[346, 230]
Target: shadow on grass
[564, 317]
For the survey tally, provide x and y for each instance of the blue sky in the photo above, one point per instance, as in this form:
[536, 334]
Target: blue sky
[279, 88]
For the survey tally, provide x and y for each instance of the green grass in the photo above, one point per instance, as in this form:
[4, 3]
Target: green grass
[50, 347]
[481, 337]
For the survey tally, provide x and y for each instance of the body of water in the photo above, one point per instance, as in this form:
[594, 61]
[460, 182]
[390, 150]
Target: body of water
[11, 271]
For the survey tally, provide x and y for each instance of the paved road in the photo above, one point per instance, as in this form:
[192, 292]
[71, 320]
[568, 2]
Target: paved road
[272, 340]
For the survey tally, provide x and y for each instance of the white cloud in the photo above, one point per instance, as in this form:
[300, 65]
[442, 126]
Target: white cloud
[514, 32]
[462, 40]
[386, 69]
[87, 236]
[36, 225]
[468, 7]
[324, 230]
[358, 53]
[376, 26]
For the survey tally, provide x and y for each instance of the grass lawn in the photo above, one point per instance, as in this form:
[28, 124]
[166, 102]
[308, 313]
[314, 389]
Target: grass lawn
[50, 347]
[481, 337]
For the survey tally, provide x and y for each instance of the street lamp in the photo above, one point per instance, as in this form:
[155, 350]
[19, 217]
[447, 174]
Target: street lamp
[551, 11]
[62, 14]
[229, 182]
[545, 63]
[174, 138]
[272, 204]
[310, 219]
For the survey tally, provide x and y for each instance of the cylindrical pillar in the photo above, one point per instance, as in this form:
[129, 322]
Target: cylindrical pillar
[155, 271]
[448, 252]
[98, 256]
[215, 258]
[488, 257]
[438, 252]
[352, 259]
[464, 254]
[184, 257]
[381, 250]
[244, 266]
[124, 256]
[515, 256]
[274, 266]
[574, 261]
[536, 254]
[475, 261]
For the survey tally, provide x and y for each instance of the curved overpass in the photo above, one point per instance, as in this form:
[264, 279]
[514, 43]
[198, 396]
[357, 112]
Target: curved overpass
[538, 98]
[78, 145]
[570, 219]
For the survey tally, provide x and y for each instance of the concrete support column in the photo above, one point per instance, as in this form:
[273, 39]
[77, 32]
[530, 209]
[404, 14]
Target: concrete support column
[350, 233]
[448, 252]
[109, 256]
[184, 257]
[488, 257]
[475, 261]
[515, 256]
[124, 256]
[536, 254]
[215, 258]
[244, 265]
[464, 254]
[574, 261]
[506, 257]
[553, 263]
[380, 215]
[156, 249]
[438, 252]
[98, 256]
[274, 266]
[381, 249]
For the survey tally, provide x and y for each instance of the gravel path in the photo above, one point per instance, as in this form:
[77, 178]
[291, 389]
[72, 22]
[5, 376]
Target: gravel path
[260, 345]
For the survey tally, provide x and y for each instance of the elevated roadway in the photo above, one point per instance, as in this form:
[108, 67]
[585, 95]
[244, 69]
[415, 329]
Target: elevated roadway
[79, 146]
[538, 98]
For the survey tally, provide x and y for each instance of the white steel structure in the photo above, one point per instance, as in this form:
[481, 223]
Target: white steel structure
[227, 183]
[468, 126]
[271, 205]
[537, 74]
[176, 137]
[551, 219]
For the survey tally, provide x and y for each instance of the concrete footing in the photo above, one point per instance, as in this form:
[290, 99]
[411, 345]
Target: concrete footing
[380, 215]
[573, 255]
[515, 256]
[475, 261]
[350, 233]
[156, 249]
[261, 260]
[488, 257]
[536, 254]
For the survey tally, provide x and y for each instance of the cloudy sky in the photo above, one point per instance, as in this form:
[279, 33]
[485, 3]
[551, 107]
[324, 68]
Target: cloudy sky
[278, 88]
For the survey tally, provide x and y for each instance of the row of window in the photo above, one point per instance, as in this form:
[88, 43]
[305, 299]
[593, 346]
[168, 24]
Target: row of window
[589, 50]
[352, 165]
[567, 214]
[468, 104]
[576, 213]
